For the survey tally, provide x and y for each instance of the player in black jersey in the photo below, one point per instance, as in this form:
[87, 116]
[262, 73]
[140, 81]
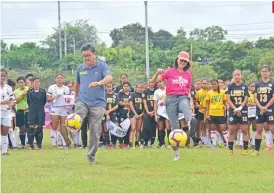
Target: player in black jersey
[237, 96]
[264, 98]
[136, 114]
[149, 125]
[123, 79]
[123, 111]
[111, 114]
[36, 99]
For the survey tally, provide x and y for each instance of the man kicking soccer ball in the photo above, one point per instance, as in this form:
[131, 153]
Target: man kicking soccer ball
[90, 96]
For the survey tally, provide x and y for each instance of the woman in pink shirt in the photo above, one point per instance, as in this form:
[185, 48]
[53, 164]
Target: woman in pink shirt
[179, 100]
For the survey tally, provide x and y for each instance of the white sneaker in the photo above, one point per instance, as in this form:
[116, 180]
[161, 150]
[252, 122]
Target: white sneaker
[169, 146]
[163, 147]
[176, 158]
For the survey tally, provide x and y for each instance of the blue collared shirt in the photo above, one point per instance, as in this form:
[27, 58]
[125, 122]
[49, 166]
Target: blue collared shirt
[93, 97]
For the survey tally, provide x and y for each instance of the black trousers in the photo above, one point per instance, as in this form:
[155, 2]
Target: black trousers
[84, 131]
[149, 128]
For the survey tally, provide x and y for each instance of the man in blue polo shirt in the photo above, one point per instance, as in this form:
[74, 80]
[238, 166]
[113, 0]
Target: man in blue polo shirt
[90, 95]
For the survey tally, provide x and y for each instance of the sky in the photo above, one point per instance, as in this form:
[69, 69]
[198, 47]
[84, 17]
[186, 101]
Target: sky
[30, 21]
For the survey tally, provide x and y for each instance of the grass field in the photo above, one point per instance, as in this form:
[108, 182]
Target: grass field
[136, 171]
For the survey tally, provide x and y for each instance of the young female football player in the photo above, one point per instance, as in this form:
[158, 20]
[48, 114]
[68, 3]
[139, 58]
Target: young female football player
[123, 78]
[36, 99]
[237, 96]
[123, 111]
[264, 98]
[7, 101]
[215, 108]
[59, 111]
[136, 114]
[251, 107]
[200, 101]
[21, 108]
[178, 93]
[11, 134]
[149, 125]
[111, 114]
[159, 108]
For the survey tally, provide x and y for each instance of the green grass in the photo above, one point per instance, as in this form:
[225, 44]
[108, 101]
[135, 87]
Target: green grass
[136, 171]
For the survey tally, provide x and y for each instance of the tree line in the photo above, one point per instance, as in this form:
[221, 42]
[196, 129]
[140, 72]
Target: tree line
[212, 55]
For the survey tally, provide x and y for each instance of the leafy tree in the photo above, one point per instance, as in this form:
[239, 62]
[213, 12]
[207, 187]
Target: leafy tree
[133, 31]
[213, 33]
[200, 72]
[265, 43]
[77, 33]
[27, 54]
[163, 39]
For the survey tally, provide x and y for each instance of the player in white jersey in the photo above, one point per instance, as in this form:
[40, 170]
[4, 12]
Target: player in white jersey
[59, 111]
[7, 100]
[161, 116]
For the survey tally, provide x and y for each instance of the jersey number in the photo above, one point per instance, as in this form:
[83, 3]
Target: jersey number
[151, 103]
[141, 106]
[244, 118]
[263, 98]
[109, 106]
[238, 100]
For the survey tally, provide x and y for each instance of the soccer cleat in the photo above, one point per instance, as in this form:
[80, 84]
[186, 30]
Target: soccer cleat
[5, 154]
[230, 152]
[36, 147]
[162, 147]
[255, 153]
[268, 148]
[123, 146]
[176, 158]
[153, 146]
[169, 146]
[220, 145]
[245, 152]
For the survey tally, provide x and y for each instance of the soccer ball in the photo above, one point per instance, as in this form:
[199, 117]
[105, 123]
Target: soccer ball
[177, 138]
[74, 121]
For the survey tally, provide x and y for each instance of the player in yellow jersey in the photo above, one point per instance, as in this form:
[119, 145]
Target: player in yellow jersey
[251, 105]
[200, 99]
[215, 111]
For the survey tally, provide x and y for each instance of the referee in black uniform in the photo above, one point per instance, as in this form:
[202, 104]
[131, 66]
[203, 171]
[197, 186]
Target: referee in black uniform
[36, 98]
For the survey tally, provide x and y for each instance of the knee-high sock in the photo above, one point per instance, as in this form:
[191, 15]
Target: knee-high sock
[213, 135]
[168, 132]
[4, 143]
[253, 137]
[31, 136]
[53, 137]
[12, 137]
[59, 138]
[22, 137]
[40, 136]
[62, 140]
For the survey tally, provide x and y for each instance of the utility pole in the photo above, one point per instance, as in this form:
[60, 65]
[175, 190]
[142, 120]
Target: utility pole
[191, 51]
[147, 50]
[60, 35]
[65, 42]
[74, 46]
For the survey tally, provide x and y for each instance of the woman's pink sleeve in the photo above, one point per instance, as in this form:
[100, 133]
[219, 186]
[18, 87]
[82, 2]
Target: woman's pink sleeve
[165, 74]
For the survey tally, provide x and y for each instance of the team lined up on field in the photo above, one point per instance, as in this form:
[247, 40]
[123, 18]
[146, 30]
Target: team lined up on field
[222, 107]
